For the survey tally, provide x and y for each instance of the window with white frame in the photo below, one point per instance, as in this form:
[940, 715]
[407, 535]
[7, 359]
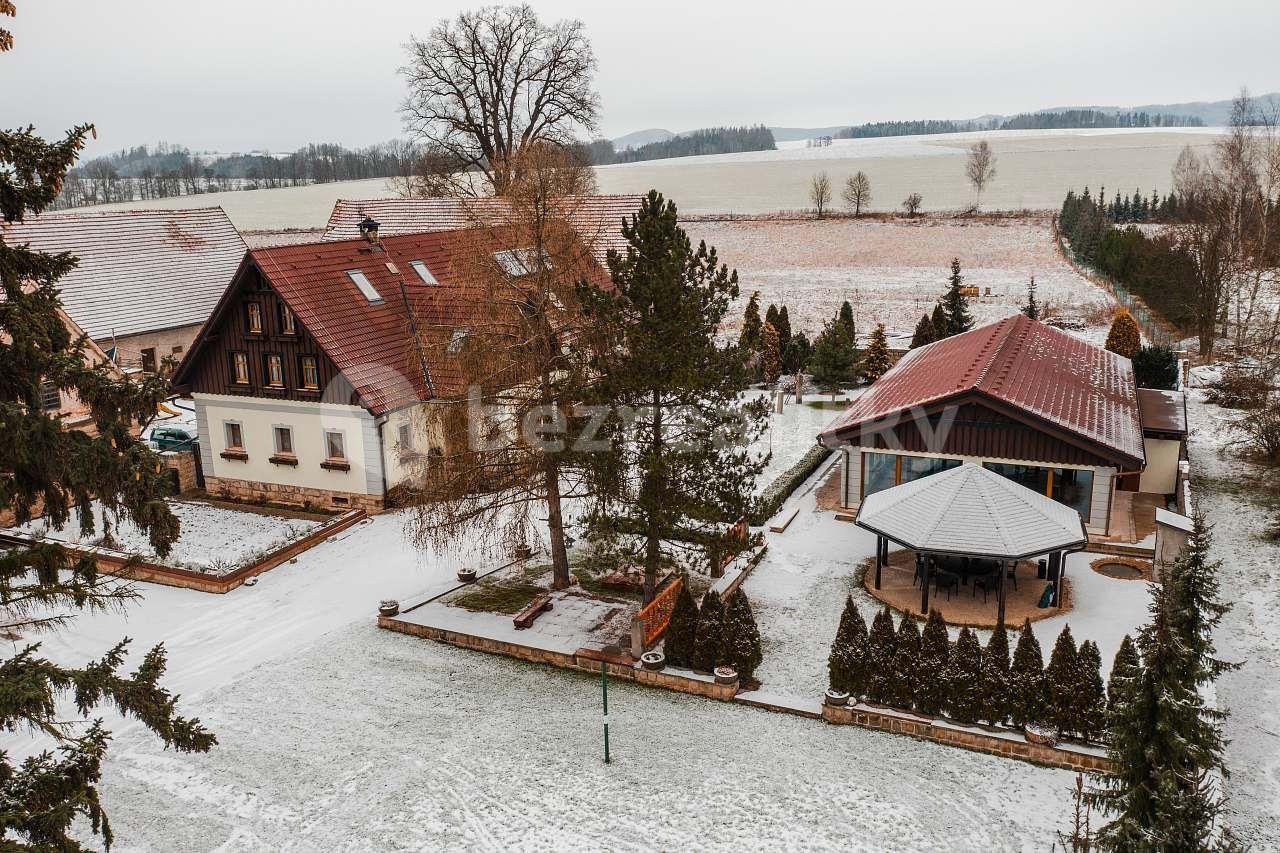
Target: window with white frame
[334, 445]
[284, 440]
[234, 435]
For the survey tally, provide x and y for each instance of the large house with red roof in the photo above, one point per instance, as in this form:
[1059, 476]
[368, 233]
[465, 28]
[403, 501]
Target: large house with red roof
[1050, 411]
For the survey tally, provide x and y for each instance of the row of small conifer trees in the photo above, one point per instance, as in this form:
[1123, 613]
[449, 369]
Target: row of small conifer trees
[923, 671]
[716, 634]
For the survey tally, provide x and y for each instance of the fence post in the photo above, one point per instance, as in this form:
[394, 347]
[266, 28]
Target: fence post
[637, 637]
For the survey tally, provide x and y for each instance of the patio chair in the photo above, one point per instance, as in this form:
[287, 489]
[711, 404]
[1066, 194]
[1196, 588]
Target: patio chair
[987, 582]
[943, 579]
[1013, 574]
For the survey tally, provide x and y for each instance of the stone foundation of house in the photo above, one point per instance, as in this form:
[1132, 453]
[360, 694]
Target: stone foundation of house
[299, 496]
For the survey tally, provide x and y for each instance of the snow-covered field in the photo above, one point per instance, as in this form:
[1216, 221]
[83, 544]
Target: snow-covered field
[892, 272]
[213, 539]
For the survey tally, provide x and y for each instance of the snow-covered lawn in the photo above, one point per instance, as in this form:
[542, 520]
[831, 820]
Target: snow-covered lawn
[794, 431]
[213, 539]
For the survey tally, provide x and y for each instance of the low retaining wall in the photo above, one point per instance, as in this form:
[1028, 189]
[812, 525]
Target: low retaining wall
[977, 741]
[122, 566]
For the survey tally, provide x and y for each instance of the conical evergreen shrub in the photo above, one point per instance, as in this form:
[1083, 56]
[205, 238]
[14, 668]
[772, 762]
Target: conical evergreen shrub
[682, 630]
[964, 679]
[931, 674]
[1124, 667]
[847, 664]
[995, 677]
[1062, 678]
[880, 642]
[1026, 679]
[708, 642]
[1091, 699]
[741, 637]
[906, 656]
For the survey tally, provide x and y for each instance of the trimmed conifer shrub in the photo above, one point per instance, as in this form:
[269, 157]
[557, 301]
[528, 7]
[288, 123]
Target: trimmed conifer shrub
[1124, 337]
[995, 677]
[1091, 699]
[741, 636]
[1124, 667]
[906, 656]
[1062, 678]
[681, 631]
[880, 641]
[847, 664]
[1026, 679]
[708, 642]
[964, 679]
[931, 673]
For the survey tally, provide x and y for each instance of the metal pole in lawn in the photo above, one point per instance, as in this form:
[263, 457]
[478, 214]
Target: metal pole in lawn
[604, 695]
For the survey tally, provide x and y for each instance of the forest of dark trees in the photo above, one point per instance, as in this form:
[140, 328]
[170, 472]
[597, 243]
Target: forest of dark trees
[1065, 119]
[711, 140]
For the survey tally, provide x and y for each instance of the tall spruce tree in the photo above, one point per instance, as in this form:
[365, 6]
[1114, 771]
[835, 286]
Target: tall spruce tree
[1124, 668]
[1026, 679]
[906, 654]
[770, 354]
[955, 305]
[1032, 308]
[1091, 698]
[931, 675]
[847, 663]
[708, 643]
[678, 642]
[1062, 678]
[876, 361]
[749, 337]
[771, 315]
[1197, 608]
[834, 359]
[964, 679]
[784, 327]
[47, 464]
[924, 333]
[881, 641]
[938, 319]
[995, 676]
[741, 637]
[674, 466]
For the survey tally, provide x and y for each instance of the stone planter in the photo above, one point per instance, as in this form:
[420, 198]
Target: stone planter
[653, 661]
[726, 675]
[389, 607]
[1041, 734]
[835, 697]
[467, 575]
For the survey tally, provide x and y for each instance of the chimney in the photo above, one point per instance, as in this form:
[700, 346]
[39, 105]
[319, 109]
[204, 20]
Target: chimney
[369, 229]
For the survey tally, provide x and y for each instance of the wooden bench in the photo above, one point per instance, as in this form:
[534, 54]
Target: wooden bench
[525, 617]
[782, 523]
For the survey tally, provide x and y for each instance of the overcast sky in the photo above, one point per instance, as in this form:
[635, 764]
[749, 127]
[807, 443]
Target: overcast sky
[238, 75]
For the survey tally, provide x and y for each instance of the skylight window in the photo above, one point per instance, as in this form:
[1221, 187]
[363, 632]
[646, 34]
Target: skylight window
[423, 273]
[455, 341]
[519, 262]
[362, 282]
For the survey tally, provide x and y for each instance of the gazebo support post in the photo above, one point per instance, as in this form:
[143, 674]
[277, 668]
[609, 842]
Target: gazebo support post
[922, 563]
[879, 558]
[1055, 572]
[1000, 593]
[1062, 578]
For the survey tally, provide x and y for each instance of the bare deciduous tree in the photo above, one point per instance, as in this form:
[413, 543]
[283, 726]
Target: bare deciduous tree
[820, 193]
[488, 84]
[857, 192]
[980, 168]
[911, 204]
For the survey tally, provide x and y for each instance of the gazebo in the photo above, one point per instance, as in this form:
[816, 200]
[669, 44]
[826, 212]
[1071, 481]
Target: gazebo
[972, 512]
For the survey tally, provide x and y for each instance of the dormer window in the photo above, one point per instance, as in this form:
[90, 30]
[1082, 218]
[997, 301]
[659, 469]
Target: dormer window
[361, 281]
[423, 273]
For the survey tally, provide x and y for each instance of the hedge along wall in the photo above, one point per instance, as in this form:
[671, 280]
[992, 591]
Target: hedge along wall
[772, 499]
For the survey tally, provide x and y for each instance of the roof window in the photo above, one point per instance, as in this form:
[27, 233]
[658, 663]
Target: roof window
[423, 273]
[362, 282]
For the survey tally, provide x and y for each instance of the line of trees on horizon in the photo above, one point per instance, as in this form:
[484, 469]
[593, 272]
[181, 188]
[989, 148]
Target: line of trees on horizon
[1063, 119]
[710, 140]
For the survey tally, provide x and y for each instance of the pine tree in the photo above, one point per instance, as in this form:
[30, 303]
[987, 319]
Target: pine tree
[876, 361]
[1197, 609]
[1124, 668]
[66, 471]
[1156, 367]
[964, 679]
[924, 334]
[1026, 679]
[671, 391]
[833, 361]
[1123, 338]
[742, 638]
[938, 319]
[845, 318]
[881, 641]
[796, 354]
[1091, 699]
[955, 305]
[1062, 678]
[906, 654]
[784, 328]
[708, 642]
[995, 677]
[770, 354]
[1032, 308]
[931, 674]
[847, 664]
[678, 642]
[749, 337]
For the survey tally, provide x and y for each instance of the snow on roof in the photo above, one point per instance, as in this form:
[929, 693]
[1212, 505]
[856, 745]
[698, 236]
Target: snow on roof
[971, 510]
[1041, 370]
[138, 270]
[1173, 519]
[1163, 411]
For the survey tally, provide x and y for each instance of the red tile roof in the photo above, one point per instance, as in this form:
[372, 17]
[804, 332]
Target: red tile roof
[139, 270]
[1043, 371]
[598, 219]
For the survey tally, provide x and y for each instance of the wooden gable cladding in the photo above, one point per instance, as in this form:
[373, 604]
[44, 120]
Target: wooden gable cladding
[214, 370]
[980, 428]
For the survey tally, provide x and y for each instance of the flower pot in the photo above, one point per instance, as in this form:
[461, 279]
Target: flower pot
[726, 675]
[1041, 734]
[389, 607]
[654, 661]
[467, 575]
[836, 697]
